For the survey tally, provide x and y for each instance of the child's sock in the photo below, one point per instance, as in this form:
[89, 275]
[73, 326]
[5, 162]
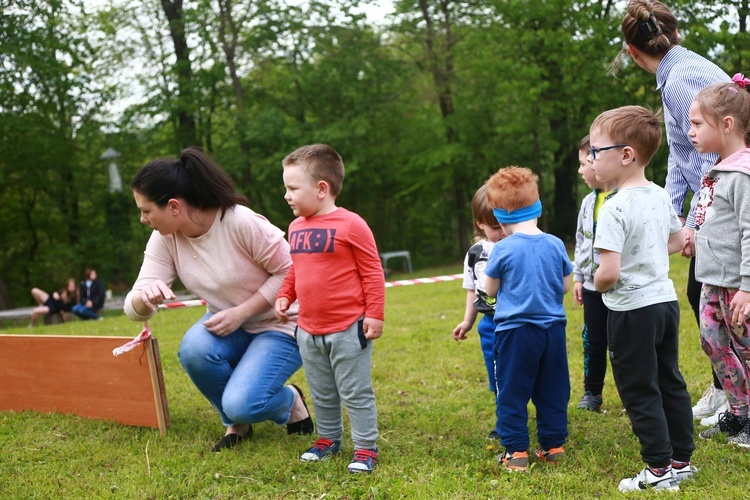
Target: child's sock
[660, 471]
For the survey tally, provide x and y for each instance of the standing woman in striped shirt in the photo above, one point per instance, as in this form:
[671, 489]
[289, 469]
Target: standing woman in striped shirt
[650, 32]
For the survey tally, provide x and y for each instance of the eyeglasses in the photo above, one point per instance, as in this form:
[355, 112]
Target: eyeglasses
[593, 151]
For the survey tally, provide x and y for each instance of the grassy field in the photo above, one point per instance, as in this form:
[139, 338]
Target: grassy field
[435, 412]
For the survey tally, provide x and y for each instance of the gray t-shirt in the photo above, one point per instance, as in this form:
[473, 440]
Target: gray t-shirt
[636, 223]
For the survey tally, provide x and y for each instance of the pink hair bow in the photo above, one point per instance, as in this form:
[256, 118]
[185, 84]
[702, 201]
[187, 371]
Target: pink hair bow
[740, 80]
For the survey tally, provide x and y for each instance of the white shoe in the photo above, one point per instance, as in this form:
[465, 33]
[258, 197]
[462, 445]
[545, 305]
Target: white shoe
[685, 473]
[709, 403]
[646, 479]
[714, 419]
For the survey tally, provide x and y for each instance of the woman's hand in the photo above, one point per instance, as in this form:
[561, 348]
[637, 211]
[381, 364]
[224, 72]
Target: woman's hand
[154, 294]
[225, 322]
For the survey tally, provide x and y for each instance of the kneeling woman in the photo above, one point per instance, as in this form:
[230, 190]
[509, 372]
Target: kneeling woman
[238, 355]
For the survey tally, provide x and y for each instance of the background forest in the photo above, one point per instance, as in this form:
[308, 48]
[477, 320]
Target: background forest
[423, 104]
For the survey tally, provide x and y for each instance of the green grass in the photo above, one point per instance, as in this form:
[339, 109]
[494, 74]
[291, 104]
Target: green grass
[435, 412]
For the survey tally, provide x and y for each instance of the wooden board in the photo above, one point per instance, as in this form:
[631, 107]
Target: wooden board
[79, 375]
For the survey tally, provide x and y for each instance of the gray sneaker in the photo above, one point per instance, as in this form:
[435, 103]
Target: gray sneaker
[590, 402]
[729, 424]
[742, 438]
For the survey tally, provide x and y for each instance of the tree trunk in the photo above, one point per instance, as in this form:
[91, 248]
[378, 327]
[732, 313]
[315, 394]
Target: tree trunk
[182, 111]
[442, 75]
[229, 35]
[5, 302]
[565, 204]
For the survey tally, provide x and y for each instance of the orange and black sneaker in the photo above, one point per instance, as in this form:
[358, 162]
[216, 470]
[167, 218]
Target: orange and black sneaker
[518, 461]
[551, 456]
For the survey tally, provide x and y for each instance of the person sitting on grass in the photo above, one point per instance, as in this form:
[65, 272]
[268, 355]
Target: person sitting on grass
[91, 296]
[59, 302]
[529, 273]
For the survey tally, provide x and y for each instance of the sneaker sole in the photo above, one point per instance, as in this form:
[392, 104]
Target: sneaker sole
[359, 471]
[324, 458]
[675, 487]
[516, 468]
[588, 408]
[685, 477]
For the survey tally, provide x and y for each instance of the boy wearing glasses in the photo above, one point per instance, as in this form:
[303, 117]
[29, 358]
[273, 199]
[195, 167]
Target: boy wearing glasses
[585, 263]
[637, 231]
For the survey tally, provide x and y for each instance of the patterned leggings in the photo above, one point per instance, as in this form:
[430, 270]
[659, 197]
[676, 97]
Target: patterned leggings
[726, 345]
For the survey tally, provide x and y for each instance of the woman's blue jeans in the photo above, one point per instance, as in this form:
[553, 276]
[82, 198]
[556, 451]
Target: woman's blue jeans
[243, 374]
[84, 312]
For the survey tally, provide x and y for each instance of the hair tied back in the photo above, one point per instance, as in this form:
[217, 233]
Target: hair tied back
[740, 80]
[649, 28]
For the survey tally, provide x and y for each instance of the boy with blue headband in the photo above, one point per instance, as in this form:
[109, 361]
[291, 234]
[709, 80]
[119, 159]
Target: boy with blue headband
[529, 273]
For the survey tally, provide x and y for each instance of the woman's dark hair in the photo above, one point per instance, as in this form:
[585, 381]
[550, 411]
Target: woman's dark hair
[194, 177]
[649, 26]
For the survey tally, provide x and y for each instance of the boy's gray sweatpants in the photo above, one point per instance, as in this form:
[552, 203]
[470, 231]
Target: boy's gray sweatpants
[338, 370]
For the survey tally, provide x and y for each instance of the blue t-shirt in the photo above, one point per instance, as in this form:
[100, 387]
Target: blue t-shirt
[531, 269]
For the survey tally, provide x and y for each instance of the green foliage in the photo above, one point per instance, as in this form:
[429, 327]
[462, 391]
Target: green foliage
[421, 113]
[47, 124]
[434, 413]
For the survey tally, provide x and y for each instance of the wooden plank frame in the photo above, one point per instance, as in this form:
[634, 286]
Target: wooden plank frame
[79, 375]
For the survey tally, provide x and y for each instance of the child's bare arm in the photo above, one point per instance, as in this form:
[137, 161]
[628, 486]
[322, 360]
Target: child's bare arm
[677, 241]
[491, 286]
[566, 283]
[609, 270]
[470, 316]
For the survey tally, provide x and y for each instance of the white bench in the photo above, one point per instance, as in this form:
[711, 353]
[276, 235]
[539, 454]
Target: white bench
[404, 254]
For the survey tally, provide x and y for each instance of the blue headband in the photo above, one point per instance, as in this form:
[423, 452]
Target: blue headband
[519, 215]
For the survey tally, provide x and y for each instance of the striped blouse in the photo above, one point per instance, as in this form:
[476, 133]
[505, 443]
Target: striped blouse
[681, 74]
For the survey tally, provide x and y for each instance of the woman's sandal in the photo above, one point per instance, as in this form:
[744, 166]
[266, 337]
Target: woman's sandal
[304, 426]
[230, 440]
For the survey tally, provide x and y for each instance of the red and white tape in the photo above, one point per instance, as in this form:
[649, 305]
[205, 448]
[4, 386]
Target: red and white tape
[389, 284]
[185, 303]
[419, 281]
[139, 339]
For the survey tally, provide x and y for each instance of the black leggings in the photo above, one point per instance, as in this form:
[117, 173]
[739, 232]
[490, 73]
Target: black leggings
[594, 341]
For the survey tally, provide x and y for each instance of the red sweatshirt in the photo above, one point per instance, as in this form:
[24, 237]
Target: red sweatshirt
[336, 274]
